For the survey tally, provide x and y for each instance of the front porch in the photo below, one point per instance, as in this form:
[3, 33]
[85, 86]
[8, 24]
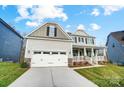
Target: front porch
[88, 56]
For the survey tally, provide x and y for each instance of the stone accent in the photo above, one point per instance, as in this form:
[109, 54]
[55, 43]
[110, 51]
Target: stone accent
[28, 60]
[70, 63]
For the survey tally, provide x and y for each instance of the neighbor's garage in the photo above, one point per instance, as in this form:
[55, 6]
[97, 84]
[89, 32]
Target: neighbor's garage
[46, 59]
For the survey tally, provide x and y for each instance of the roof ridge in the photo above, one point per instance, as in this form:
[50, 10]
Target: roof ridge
[9, 27]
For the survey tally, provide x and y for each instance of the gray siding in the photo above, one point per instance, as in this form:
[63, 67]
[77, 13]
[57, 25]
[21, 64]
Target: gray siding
[10, 44]
[115, 54]
[42, 32]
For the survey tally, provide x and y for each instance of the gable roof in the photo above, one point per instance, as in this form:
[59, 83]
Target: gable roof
[28, 35]
[9, 27]
[81, 33]
[119, 36]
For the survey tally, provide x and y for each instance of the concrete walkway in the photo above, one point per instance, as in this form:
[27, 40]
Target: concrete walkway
[52, 77]
[88, 66]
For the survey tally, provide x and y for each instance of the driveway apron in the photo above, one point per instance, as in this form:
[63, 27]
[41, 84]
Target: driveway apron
[52, 77]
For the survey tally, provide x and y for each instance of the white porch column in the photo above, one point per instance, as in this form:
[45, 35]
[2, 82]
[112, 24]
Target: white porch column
[104, 52]
[96, 57]
[84, 41]
[71, 55]
[92, 52]
[92, 56]
[85, 53]
[96, 52]
[78, 53]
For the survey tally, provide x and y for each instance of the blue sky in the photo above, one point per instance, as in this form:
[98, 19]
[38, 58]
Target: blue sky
[97, 21]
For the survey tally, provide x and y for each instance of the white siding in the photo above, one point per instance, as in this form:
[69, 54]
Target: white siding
[47, 45]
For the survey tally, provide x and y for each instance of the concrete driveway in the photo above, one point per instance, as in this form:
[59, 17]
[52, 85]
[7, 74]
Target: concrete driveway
[52, 77]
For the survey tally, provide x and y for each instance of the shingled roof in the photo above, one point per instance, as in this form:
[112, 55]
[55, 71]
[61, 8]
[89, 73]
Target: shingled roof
[119, 36]
[9, 27]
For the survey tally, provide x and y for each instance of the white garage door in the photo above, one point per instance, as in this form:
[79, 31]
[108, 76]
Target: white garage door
[49, 59]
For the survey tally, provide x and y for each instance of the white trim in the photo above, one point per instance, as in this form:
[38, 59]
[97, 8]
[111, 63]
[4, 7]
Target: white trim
[49, 39]
[34, 30]
[49, 23]
[64, 31]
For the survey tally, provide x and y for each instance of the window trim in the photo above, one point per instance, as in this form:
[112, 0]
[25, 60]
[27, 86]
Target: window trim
[62, 53]
[46, 52]
[51, 31]
[37, 52]
[55, 53]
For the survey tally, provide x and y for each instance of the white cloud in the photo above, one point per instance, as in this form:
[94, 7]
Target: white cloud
[95, 12]
[31, 24]
[39, 13]
[23, 12]
[109, 9]
[68, 26]
[67, 30]
[81, 26]
[95, 26]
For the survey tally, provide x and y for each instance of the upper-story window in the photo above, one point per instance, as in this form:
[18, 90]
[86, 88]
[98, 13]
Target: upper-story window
[80, 40]
[75, 39]
[89, 41]
[51, 31]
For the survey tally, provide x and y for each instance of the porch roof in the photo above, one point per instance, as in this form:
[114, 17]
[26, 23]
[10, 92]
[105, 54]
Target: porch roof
[89, 46]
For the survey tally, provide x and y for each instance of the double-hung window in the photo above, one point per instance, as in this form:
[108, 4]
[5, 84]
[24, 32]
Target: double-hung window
[90, 41]
[51, 31]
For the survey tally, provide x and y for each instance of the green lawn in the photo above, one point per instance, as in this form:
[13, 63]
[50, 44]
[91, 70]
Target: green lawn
[9, 72]
[107, 76]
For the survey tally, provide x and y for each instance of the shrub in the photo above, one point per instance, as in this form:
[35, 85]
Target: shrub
[24, 65]
[121, 82]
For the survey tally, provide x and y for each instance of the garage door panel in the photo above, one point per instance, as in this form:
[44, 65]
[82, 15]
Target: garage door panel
[45, 60]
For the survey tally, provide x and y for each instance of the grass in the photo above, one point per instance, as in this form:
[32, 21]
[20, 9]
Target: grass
[9, 72]
[107, 76]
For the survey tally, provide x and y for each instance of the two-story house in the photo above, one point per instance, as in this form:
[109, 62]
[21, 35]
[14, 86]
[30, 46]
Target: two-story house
[85, 49]
[115, 47]
[10, 43]
[50, 45]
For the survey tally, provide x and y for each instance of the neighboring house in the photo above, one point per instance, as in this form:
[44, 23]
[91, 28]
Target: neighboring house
[10, 43]
[115, 47]
[50, 45]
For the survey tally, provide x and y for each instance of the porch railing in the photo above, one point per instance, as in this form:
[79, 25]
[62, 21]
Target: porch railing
[91, 60]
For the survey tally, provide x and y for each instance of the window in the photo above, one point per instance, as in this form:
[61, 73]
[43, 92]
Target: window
[75, 39]
[51, 31]
[46, 52]
[113, 45]
[79, 39]
[75, 52]
[100, 52]
[54, 52]
[86, 40]
[37, 52]
[63, 53]
[90, 41]
[82, 40]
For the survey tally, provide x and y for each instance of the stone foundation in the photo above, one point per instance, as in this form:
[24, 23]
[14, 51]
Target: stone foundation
[70, 63]
[27, 60]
